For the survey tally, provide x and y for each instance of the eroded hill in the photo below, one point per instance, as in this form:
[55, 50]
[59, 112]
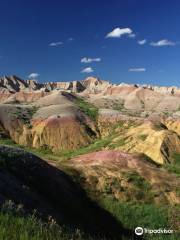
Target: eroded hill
[120, 144]
[28, 181]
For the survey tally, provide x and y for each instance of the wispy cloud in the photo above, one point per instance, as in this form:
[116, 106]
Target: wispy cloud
[70, 39]
[90, 60]
[118, 32]
[55, 44]
[87, 70]
[163, 42]
[137, 69]
[33, 75]
[132, 35]
[142, 42]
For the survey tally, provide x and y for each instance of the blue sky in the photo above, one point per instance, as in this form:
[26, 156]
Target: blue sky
[50, 38]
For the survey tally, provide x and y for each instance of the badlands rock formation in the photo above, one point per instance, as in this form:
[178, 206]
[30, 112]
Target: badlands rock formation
[15, 84]
[138, 119]
[54, 121]
[126, 176]
[119, 143]
[157, 138]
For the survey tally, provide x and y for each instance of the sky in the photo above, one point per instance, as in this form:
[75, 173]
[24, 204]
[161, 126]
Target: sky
[131, 41]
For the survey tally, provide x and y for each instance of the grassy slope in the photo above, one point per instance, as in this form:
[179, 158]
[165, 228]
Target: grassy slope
[131, 214]
[64, 155]
[174, 167]
[89, 109]
[143, 215]
[16, 226]
[146, 215]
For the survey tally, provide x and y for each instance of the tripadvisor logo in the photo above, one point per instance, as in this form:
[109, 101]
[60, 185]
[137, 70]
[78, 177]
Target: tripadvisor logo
[139, 231]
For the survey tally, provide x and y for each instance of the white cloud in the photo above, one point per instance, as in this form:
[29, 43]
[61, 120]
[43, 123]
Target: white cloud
[163, 42]
[87, 70]
[33, 75]
[55, 44]
[70, 39]
[118, 32]
[132, 35]
[137, 70]
[142, 42]
[90, 60]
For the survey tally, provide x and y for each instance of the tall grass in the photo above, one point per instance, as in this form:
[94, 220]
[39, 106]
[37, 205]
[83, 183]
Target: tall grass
[143, 215]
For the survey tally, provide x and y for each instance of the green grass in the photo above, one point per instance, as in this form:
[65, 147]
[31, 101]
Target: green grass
[137, 180]
[143, 215]
[141, 189]
[25, 114]
[95, 146]
[132, 215]
[88, 108]
[118, 143]
[174, 166]
[45, 152]
[7, 141]
[143, 137]
[15, 225]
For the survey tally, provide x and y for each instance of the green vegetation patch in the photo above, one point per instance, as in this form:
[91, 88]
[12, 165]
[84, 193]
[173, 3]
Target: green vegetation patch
[174, 166]
[143, 137]
[140, 189]
[97, 145]
[143, 215]
[15, 225]
[88, 108]
[137, 180]
[25, 114]
[46, 152]
[134, 214]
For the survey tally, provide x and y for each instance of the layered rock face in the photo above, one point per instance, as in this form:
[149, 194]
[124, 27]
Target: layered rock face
[55, 122]
[158, 138]
[74, 86]
[156, 142]
[22, 97]
[132, 97]
[90, 85]
[15, 89]
[94, 85]
[173, 124]
[15, 84]
[167, 90]
[50, 118]
[136, 98]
